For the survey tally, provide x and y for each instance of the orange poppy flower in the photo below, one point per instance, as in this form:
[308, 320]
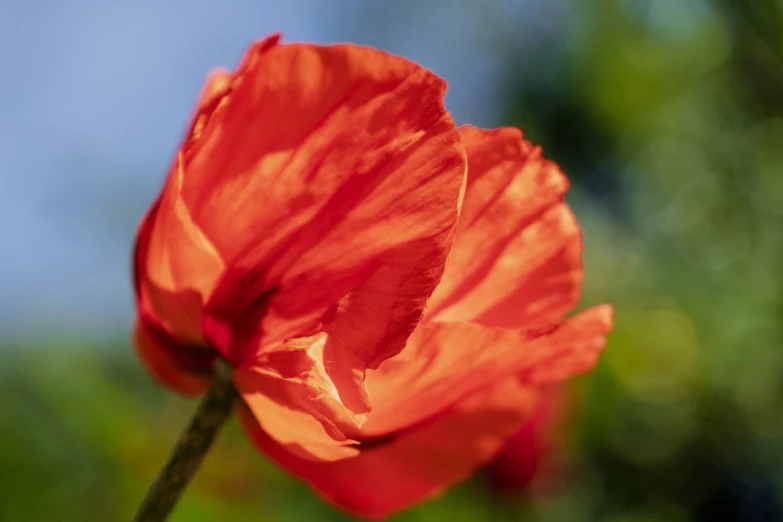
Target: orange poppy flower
[303, 235]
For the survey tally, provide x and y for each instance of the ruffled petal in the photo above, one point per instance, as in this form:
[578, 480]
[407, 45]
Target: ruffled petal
[290, 393]
[517, 257]
[445, 362]
[392, 473]
[324, 176]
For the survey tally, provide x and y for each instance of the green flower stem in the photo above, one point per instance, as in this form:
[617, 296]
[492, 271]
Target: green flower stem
[213, 411]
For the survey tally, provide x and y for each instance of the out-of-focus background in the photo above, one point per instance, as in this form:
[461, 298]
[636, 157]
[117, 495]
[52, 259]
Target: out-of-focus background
[666, 114]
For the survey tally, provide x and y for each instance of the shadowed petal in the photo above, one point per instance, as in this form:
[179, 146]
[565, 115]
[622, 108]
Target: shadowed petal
[187, 370]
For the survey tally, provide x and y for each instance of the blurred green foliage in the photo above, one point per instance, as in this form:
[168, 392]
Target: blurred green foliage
[667, 116]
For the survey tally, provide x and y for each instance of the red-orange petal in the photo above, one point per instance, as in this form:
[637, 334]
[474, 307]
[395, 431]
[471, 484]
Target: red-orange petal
[323, 176]
[517, 257]
[413, 465]
[172, 360]
[445, 362]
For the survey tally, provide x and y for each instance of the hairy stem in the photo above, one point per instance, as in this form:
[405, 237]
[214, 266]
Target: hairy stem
[192, 446]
